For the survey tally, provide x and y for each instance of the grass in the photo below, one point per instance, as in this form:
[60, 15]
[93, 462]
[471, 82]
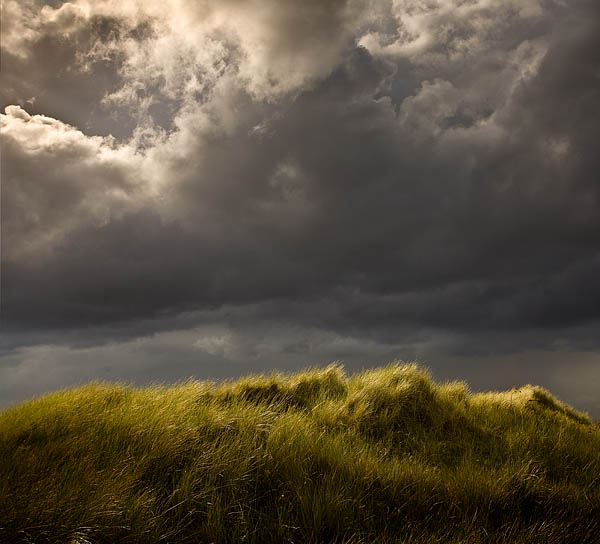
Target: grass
[382, 456]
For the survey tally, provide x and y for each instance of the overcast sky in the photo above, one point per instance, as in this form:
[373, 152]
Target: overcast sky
[212, 188]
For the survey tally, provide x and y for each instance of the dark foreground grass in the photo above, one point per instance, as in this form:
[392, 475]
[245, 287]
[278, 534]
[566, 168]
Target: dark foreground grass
[382, 456]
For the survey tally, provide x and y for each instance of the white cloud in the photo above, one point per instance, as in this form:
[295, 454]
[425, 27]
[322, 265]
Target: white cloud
[448, 29]
[60, 180]
[24, 21]
[275, 47]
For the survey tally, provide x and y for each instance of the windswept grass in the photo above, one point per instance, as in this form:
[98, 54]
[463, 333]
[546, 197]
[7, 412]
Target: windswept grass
[382, 456]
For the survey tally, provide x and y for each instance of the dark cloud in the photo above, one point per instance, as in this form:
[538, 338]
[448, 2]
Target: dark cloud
[421, 183]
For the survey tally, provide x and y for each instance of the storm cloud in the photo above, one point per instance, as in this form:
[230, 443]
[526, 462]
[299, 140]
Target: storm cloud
[212, 188]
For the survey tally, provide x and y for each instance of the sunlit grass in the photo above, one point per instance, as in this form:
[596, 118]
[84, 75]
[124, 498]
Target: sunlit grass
[383, 456]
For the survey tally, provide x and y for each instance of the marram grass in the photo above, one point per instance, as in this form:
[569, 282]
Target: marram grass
[382, 456]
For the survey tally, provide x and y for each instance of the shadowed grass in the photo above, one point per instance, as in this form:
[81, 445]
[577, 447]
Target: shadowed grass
[383, 456]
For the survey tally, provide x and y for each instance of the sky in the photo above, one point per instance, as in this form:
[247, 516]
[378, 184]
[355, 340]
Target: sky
[212, 188]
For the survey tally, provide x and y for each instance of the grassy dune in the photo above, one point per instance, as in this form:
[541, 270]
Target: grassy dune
[382, 456]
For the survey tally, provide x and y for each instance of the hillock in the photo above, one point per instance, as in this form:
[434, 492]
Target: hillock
[385, 455]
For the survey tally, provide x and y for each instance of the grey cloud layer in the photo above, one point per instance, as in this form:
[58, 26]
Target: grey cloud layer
[372, 169]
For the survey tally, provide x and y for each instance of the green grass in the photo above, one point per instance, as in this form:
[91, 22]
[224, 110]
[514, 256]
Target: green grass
[382, 456]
